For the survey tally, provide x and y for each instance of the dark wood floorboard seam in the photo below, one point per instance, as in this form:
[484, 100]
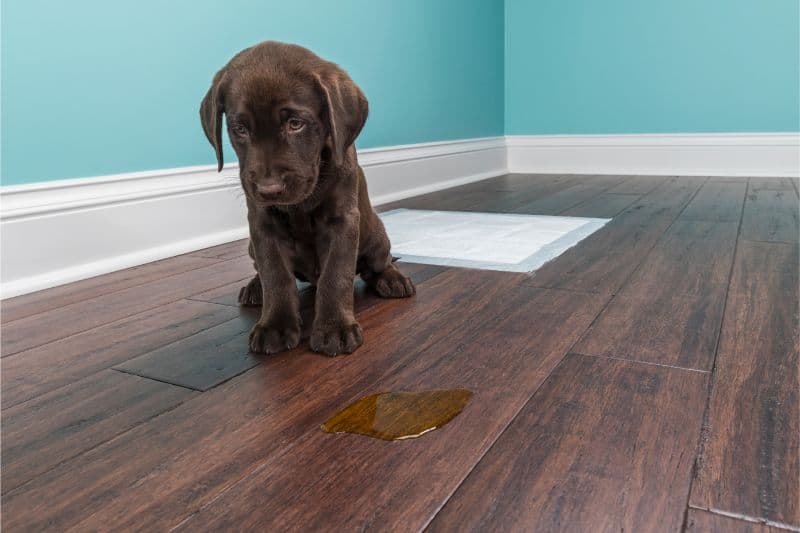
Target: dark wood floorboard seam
[767, 242]
[599, 193]
[122, 317]
[747, 518]
[103, 369]
[168, 382]
[569, 350]
[703, 428]
[121, 434]
[638, 266]
[671, 367]
[106, 294]
[299, 439]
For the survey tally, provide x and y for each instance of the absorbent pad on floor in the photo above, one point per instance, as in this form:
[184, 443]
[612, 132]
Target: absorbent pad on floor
[490, 241]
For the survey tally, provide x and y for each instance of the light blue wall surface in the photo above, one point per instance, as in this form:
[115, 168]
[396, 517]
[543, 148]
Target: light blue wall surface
[94, 87]
[652, 66]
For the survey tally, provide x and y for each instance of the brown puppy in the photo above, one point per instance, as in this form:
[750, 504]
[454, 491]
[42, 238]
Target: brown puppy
[292, 119]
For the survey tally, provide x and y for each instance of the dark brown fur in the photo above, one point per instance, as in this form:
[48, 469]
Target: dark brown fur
[292, 119]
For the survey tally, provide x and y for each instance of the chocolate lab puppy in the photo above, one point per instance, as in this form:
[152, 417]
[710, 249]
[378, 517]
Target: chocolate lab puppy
[292, 118]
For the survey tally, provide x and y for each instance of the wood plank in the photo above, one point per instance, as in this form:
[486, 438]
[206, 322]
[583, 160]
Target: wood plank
[604, 445]
[217, 354]
[604, 205]
[225, 251]
[203, 360]
[604, 260]
[717, 201]
[700, 521]
[502, 362]
[62, 424]
[186, 456]
[670, 311]
[41, 301]
[227, 294]
[638, 185]
[668, 199]
[521, 182]
[439, 200]
[531, 188]
[583, 189]
[751, 459]
[758, 184]
[39, 370]
[771, 214]
[64, 321]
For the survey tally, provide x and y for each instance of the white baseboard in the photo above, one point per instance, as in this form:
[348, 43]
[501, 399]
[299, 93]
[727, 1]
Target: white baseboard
[66, 230]
[734, 154]
[61, 231]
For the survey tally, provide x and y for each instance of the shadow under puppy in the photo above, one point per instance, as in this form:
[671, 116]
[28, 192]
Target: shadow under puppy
[292, 119]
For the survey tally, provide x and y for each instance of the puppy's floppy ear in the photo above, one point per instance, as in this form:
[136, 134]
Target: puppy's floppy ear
[211, 109]
[346, 110]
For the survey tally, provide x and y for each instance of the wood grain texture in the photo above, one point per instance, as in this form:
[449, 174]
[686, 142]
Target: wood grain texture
[605, 442]
[203, 360]
[751, 458]
[717, 201]
[771, 214]
[705, 522]
[185, 457]
[588, 187]
[603, 261]
[214, 355]
[64, 321]
[45, 368]
[773, 183]
[62, 424]
[38, 302]
[638, 185]
[527, 190]
[225, 251]
[502, 362]
[670, 311]
[668, 199]
[605, 205]
[604, 445]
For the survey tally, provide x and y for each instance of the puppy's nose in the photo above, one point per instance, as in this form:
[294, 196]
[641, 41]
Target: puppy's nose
[270, 189]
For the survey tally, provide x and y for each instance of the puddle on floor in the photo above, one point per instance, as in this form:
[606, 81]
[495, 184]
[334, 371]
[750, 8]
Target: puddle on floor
[399, 415]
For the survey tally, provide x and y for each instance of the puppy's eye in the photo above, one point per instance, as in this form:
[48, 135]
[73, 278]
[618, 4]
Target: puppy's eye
[295, 124]
[239, 129]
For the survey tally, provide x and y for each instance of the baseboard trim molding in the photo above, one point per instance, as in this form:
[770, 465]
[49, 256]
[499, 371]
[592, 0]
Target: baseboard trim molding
[66, 230]
[730, 154]
[62, 231]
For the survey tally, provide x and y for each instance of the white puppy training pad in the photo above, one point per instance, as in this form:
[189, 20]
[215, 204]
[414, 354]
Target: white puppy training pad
[490, 241]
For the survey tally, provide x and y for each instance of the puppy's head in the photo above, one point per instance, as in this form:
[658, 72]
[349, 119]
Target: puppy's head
[288, 113]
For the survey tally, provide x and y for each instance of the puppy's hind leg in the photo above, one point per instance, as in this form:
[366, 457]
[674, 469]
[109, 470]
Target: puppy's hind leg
[376, 266]
[391, 283]
[251, 294]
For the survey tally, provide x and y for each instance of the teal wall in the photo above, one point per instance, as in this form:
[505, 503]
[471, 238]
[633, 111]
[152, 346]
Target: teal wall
[652, 66]
[93, 87]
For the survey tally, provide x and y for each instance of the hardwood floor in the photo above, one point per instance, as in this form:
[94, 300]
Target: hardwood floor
[645, 380]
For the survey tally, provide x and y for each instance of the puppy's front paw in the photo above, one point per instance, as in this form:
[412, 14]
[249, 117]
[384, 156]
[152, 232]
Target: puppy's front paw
[335, 339]
[391, 283]
[252, 293]
[274, 336]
